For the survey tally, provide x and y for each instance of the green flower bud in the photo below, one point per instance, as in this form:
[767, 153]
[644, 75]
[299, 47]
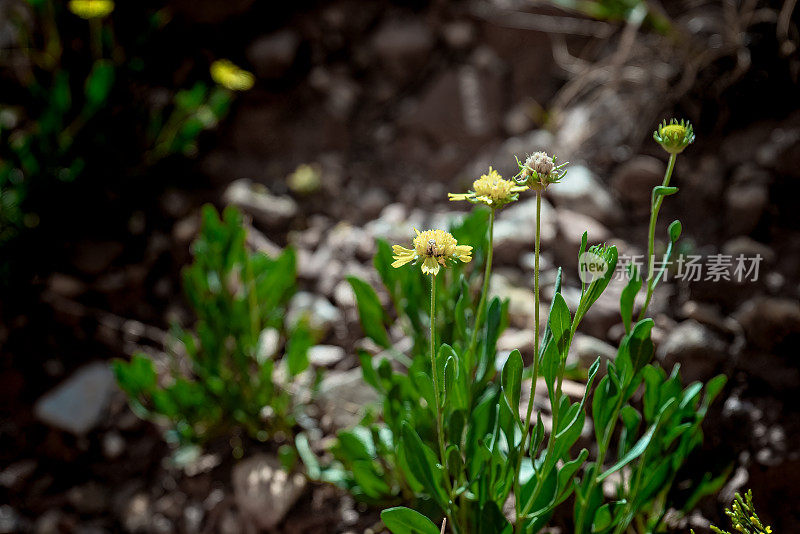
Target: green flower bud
[674, 136]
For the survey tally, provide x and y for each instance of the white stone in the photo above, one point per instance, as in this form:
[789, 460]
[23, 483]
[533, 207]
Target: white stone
[77, 404]
[263, 491]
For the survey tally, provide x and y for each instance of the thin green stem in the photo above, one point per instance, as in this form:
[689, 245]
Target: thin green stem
[437, 399]
[485, 292]
[535, 375]
[651, 236]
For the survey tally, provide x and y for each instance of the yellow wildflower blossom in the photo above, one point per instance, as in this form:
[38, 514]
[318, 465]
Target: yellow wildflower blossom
[228, 75]
[434, 248]
[91, 9]
[490, 189]
[674, 136]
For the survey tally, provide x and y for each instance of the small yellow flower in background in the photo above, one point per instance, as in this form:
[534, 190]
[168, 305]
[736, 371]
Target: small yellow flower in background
[674, 136]
[91, 9]
[228, 75]
[305, 179]
[435, 248]
[490, 189]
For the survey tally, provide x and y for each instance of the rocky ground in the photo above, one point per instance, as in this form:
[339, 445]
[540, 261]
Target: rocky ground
[393, 106]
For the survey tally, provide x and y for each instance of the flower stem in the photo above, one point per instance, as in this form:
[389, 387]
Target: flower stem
[526, 429]
[437, 397]
[651, 236]
[485, 292]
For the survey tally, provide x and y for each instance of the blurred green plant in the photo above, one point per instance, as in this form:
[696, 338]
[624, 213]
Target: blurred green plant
[61, 114]
[227, 372]
[631, 11]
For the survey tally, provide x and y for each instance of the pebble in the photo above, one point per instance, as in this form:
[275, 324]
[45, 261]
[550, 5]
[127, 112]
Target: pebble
[256, 200]
[78, 404]
[583, 192]
[263, 491]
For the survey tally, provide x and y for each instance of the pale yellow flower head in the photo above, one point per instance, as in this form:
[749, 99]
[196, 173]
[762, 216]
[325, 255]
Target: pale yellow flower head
[91, 9]
[435, 248]
[490, 189]
[228, 75]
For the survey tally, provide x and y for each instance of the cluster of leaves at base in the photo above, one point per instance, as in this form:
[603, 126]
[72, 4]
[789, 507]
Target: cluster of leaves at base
[743, 516]
[66, 115]
[240, 300]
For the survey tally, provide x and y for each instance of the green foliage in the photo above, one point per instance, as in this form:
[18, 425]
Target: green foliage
[452, 442]
[67, 111]
[223, 373]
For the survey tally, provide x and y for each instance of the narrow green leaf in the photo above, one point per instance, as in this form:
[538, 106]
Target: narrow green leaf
[300, 341]
[418, 456]
[370, 311]
[674, 231]
[634, 453]
[628, 296]
[512, 381]
[560, 323]
[99, 83]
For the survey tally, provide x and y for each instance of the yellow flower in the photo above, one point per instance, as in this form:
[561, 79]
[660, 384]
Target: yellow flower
[674, 136]
[435, 248]
[91, 9]
[490, 189]
[228, 75]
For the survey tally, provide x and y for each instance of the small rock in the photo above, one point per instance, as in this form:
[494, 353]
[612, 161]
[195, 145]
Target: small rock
[403, 47]
[745, 203]
[256, 200]
[136, 513]
[571, 226]
[325, 355]
[48, 523]
[65, 285]
[263, 491]
[586, 349]
[261, 243]
[749, 248]
[94, 258]
[273, 55]
[343, 396]
[77, 404]
[343, 295]
[633, 181]
[582, 191]
[515, 229]
[513, 338]
[321, 314]
[695, 347]
[15, 474]
[10, 520]
[458, 34]
[770, 322]
[113, 445]
[90, 498]
[193, 517]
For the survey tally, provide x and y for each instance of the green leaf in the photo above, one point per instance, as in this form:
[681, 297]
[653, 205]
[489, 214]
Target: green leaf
[634, 453]
[640, 345]
[300, 341]
[512, 381]
[551, 361]
[664, 191]
[370, 311]
[560, 323]
[628, 296]
[674, 230]
[99, 83]
[370, 481]
[419, 458]
[401, 520]
[455, 393]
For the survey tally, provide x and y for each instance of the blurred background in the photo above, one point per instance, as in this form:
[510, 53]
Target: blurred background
[334, 123]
